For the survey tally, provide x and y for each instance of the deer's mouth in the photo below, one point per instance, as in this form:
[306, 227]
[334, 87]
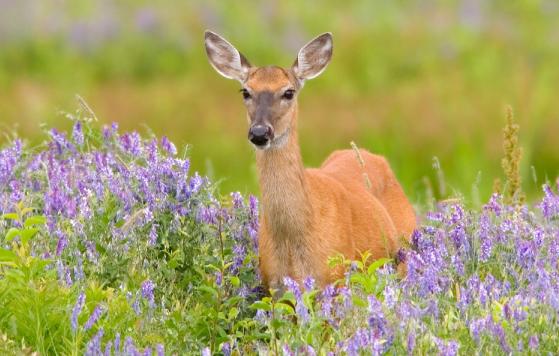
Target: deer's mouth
[262, 147]
[260, 141]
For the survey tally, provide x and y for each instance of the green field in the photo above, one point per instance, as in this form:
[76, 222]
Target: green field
[409, 79]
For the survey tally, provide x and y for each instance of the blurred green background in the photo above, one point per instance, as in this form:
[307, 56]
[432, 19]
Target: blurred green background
[409, 79]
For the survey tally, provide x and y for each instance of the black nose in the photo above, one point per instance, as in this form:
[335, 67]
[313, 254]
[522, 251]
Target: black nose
[260, 134]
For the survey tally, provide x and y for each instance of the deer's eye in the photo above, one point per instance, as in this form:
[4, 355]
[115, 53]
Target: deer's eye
[246, 94]
[288, 94]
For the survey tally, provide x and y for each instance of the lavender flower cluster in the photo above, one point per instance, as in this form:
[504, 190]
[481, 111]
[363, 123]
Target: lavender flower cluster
[126, 212]
[477, 282]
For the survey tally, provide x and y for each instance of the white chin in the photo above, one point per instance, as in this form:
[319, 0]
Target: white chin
[262, 147]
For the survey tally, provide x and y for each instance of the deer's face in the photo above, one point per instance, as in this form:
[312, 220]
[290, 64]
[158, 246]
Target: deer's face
[269, 93]
[270, 97]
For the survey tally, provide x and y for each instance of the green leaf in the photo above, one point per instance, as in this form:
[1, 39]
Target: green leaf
[233, 312]
[288, 307]
[213, 267]
[12, 233]
[260, 305]
[230, 302]
[377, 264]
[362, 280]
[35, 220]
[27, 234]
[289, 297]
[208, 290]
[7, 255]
[308, 298]
[26, 210]
[15, 275]
[235, 281]
[359, 302]
[10, 216]
[277, 323]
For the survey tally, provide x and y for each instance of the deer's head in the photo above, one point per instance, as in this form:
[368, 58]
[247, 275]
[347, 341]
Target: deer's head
[269, 93]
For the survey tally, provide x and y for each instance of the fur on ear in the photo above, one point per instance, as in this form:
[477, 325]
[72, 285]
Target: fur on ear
[225, 58]
[314, 57]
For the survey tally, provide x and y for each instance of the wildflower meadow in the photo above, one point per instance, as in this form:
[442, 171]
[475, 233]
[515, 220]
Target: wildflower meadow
[111, 245]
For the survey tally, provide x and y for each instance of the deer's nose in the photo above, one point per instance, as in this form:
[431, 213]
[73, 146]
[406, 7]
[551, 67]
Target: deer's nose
[260, 134]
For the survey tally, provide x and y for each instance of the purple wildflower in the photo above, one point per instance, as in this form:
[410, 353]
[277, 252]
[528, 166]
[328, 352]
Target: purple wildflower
[131, 143]
[449, 348]
[93, 347]
[300, 307]
[327, 297]
[168, 146]
[160, 350]
[218, 278]
[550, 203]
[59, 141]
[499, 333]
[77, 133]
[533, 343]
[261, 317]
[377, 321]
[239, 252]
[109, 348]
[287, 350]
[308, 283]
[237, 199]
[148, 288]
[477, 327]
[292, 286]
[494, 204]
[253, 204]
[62, 243]
[195, 184]
[77, 310]
[308, 350]
[129, 347]
[94, 317]
[390, 296]
[208, 215]
[117, 342]
[410, 345]
[91, 251]
[226, 349]
[359, 341]
[152, 151]
[152, 235]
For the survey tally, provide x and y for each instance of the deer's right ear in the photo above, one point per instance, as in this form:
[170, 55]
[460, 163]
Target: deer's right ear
[313, 57]
[225, 58]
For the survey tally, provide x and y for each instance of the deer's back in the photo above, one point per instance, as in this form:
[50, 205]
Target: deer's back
[344, 167]
[348, 218]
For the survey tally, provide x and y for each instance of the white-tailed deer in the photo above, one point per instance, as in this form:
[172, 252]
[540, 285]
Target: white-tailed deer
[310, 215]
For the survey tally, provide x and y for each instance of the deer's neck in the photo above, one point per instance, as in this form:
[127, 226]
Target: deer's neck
[285, 199]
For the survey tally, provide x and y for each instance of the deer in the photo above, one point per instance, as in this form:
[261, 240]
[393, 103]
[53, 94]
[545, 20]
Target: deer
[309, 215]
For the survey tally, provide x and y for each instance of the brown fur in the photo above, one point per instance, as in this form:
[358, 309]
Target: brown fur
[310, 215]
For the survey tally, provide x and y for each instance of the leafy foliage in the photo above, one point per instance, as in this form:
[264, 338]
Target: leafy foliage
[126, 251]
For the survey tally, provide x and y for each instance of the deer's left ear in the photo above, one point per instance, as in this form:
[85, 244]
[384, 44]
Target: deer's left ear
[314, 57]
[225, 58]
